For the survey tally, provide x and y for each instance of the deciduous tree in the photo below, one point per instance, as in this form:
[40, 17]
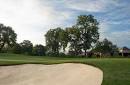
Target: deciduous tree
[105, 46]
[7, 36]
[88, 26]
[27, 47]
[53, 40]
[39, 50]
[74, 40]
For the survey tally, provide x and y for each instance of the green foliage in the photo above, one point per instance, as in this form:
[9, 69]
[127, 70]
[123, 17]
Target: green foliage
[105, 46]
[78, 37]
[7, 36]
[17, 48]
[27, 47]
[64, 38]
[39, 50]
[55, 40]
[88, 26]
[74, 40]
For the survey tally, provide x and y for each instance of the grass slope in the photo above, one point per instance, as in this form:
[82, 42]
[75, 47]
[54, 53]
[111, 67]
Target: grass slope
[116, 70]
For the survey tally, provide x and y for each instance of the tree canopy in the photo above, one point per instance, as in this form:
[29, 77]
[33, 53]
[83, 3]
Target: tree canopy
[39, 50]
[74, 40]
[7, 36]
[27, 47]
[105, 46]
[88, 26]
[80, 36]
[54, 40]
[17, 48]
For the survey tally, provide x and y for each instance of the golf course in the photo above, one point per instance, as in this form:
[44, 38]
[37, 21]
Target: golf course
[116, 71]
[65, 42]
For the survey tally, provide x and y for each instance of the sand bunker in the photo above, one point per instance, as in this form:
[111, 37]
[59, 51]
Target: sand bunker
[58, 74]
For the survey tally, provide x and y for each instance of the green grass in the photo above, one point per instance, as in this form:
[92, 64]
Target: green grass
[116, 70]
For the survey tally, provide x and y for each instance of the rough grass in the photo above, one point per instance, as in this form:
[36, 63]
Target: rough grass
[116, 70]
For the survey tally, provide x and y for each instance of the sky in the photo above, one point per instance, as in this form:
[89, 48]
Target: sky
[31, 19]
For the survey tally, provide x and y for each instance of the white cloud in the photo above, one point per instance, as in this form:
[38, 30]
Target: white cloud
[91, 5]
[31, 18]
[104, 30]
[86, 5]
[122, 38]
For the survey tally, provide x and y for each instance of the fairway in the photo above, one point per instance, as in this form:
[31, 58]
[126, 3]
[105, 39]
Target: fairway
[116, 71]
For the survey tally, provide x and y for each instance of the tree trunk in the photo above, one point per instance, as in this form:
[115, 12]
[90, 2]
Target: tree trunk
[85, 52]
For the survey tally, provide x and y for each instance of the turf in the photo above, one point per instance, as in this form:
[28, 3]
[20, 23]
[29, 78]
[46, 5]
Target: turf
[116, 70]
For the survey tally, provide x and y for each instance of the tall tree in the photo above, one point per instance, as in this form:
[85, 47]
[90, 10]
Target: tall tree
[7, 36]
[88, 26]
[64, 38]
[53, 40]
[74, 40]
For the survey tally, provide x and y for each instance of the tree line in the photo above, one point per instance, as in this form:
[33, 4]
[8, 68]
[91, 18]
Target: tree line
[8, 43]
[77, 39]
[82, 37]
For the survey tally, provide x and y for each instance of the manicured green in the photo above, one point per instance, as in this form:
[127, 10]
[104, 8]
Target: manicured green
[116, 70]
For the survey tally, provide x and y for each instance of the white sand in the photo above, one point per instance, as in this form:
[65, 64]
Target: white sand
[58, 74]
